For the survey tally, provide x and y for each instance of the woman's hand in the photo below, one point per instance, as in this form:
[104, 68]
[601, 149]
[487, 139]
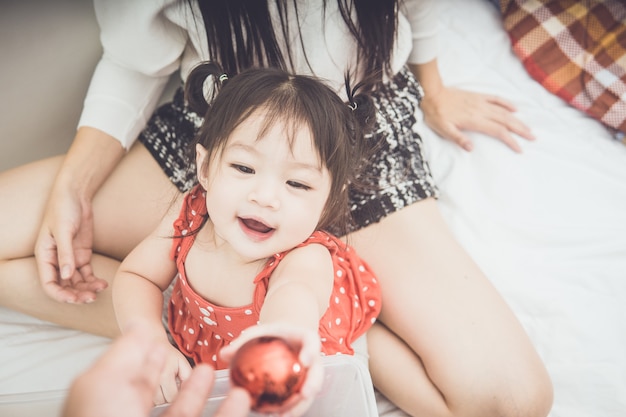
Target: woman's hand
[65, 242]
[64, 247]
[450, 111]
[309, 357]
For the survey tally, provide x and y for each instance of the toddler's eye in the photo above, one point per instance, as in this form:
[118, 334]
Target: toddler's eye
[243, 168]
[298, 185]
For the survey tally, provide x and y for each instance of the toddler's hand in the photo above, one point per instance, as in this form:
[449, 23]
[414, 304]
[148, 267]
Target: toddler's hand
[309, 343]
[176, 370]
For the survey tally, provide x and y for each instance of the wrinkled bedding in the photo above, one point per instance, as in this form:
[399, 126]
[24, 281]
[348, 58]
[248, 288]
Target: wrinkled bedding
[546, 226]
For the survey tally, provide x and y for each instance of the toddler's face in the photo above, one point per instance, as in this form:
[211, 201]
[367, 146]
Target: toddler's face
[263, 195]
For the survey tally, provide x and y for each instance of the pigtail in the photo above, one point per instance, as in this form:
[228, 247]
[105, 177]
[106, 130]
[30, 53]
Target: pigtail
[360, 118]
[203, 84]
[362, 104]
[363, 116]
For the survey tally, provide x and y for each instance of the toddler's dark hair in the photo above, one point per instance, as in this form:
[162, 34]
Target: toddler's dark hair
[337, 127]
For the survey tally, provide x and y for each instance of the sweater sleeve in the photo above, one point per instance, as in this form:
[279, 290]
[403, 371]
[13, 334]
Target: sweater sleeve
[141, 49]
[423, 17]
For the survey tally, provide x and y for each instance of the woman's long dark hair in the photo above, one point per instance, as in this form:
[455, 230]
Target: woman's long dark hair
[240, 33]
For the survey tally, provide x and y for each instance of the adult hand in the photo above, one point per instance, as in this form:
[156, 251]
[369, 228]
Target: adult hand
[450, 111]
[122, 383]
[64, 247]
[310, 357]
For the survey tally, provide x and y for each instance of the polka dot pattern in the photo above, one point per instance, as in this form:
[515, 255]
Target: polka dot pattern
[201, 329]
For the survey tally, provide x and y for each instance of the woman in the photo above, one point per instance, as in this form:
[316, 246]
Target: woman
[83, 213]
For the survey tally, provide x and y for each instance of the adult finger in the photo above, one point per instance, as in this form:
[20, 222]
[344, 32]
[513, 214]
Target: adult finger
[59, 293]
[236, 404]
[516, 126]
[65, 254]
[499, 101]
[193, 393]
[137, 355]
[503, 134]
[81, 288]
[46, 261]
[451, 132]
[93, 282]
[86, 285]
[131, 351]
[504, 115]
[497, 131]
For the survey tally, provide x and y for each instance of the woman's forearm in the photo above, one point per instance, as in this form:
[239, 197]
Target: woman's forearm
[89, 161]
[429, 77]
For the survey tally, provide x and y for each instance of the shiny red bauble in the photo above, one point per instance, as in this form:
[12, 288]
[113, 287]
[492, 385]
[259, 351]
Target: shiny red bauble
[269, 369]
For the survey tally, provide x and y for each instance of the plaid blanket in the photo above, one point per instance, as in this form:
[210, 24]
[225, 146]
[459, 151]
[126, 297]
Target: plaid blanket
[576, 50]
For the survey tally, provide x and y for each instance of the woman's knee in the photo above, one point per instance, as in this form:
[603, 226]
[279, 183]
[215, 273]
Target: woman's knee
[527, 395]
[470, 391]
[532, 397]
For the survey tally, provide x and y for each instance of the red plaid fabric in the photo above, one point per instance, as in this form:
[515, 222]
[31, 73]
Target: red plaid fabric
[576, 50]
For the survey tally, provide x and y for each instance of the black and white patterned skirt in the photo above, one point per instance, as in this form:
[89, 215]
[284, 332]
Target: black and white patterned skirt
[396, 177]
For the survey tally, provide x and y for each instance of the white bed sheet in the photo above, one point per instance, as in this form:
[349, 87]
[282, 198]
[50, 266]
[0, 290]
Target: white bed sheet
[547, 227]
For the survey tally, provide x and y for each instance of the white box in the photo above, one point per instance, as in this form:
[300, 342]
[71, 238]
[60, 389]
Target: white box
[347, 391]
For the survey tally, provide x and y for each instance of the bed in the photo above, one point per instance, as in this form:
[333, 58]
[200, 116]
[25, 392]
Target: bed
[546, 226]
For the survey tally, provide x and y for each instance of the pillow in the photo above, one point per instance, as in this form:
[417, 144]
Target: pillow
[576, 50]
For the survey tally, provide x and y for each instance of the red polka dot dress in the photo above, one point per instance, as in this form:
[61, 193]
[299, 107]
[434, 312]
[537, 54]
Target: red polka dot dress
[201, 329]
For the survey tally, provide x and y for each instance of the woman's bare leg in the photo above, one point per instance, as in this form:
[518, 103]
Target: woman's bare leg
[126, 208]
[468, 342]
[402, 368]
[20, 290]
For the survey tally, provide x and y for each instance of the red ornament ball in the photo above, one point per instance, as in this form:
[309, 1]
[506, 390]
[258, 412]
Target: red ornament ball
[269, 369]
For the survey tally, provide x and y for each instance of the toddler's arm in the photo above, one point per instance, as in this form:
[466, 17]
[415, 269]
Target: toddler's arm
[297, 297]
[300, 288]
[138, 295]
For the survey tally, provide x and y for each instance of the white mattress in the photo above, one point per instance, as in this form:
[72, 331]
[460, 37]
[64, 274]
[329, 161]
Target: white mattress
[546, 226]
